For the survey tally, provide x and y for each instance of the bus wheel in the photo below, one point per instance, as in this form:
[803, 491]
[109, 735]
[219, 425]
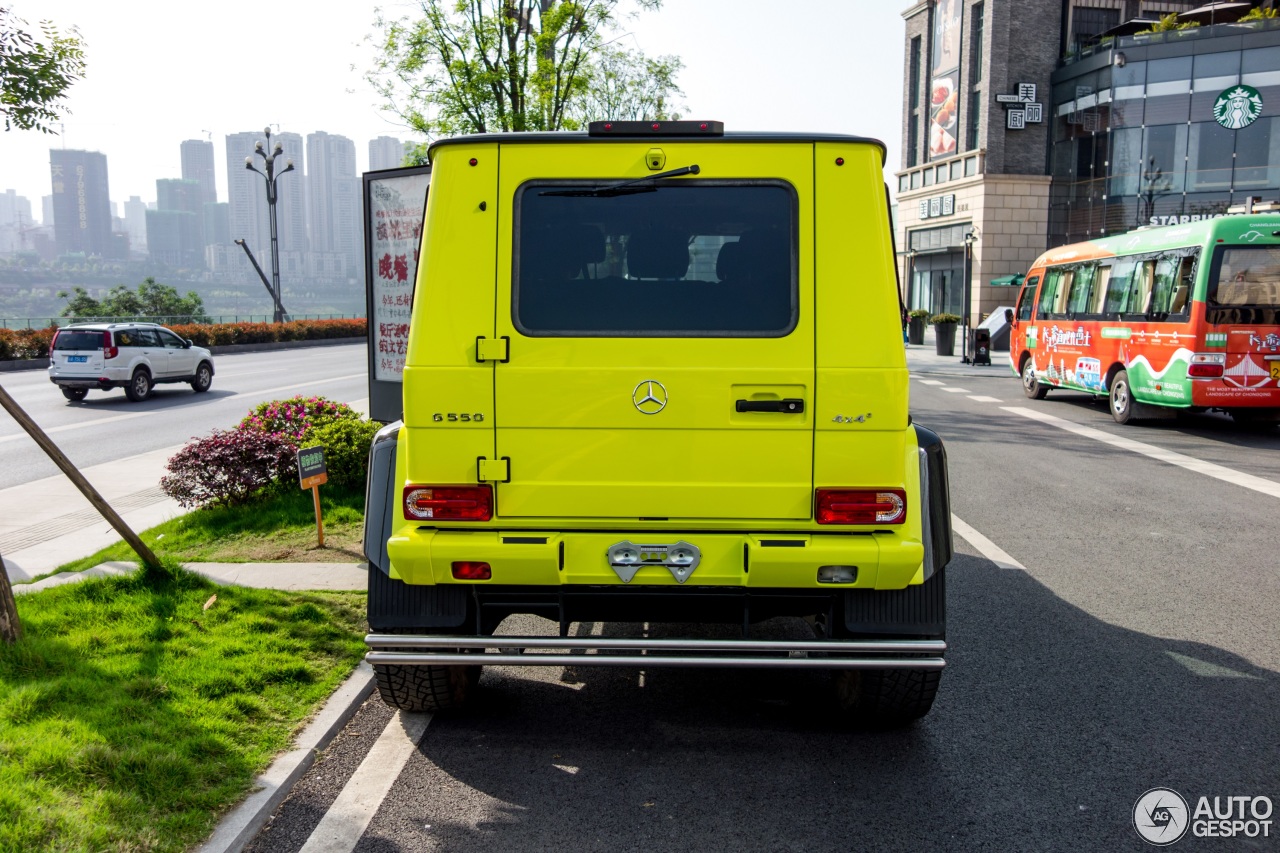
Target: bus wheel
[1030, 386]
[1121, 399]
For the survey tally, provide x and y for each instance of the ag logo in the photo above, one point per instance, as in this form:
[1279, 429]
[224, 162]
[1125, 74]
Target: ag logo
[649, 397]
[1160, 816]
[1237, 107]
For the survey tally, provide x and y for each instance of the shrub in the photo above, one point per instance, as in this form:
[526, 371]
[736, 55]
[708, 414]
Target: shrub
[918, 313]
[20, 344]
[346, 449]
[295, 417]
[937, 319]
[228, 467]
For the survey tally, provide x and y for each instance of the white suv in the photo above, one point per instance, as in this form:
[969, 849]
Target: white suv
[132, 356]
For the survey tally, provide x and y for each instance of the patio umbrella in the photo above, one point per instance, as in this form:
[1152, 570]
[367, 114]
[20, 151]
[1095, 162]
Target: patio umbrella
[1216, 13]
[1128, 28]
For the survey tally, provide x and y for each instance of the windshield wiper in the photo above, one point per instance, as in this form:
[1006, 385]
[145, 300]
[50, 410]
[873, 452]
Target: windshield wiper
[636, 185]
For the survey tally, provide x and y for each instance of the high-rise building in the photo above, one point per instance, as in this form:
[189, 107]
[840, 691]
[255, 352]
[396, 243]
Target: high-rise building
[81, 202]
[333, 198]
[175, 232]
[197, 165]
[15, 222]
[385, 152]
[46, 211]
[135, 223]
[217, 225]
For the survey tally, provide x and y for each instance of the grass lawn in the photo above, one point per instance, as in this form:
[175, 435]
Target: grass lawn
[131, 717]
[281, 529]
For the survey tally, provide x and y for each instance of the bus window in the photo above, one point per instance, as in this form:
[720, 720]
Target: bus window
[1166, 283]
[1186, 282]
[1246, 288]
[1027, 301]
[1081, 289]
[1117, 299]
[1049, 292]
[1101, 281]
[1138, 300]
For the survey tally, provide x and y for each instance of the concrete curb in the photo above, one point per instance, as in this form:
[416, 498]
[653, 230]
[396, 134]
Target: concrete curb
[40, 363]
[242, 823]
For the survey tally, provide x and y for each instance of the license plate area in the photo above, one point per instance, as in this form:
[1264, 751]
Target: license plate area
[77, 359]
[627, 558]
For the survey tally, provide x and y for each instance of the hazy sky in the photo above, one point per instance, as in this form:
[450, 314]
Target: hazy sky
[162, 72]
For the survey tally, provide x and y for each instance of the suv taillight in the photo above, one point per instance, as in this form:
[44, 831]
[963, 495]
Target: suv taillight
[860, 506]
[108, 351]
[448, 503]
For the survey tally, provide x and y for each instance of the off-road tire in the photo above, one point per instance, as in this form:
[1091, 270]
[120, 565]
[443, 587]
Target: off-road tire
[426, 688]
[885, 698]
[1120, 398]
[1030, 385]
[75, 395]
[139, 387]
[203, 378]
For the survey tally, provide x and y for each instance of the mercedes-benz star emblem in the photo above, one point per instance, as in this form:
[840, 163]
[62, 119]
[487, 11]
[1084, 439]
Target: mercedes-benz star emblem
[650, 397]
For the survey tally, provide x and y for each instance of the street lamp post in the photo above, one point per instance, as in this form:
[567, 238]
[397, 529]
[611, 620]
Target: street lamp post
[970, 238]
[270, 175]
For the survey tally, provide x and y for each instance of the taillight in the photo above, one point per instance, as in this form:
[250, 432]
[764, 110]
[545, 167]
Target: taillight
[448, 503]
[108, 351]
[860, 506]
[471, 571]
[1207, 365]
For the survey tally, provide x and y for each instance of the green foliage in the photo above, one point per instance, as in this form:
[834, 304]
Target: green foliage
[346, 450]
[938, 319]
[296, 417]
[150, 300]
[1169, 23]
[1260, 14]
[626, 85]
[131, 716]
[476, 66]
[918, 313]
[35, 72]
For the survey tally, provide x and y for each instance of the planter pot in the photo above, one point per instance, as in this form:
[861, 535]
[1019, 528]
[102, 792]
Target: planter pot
[944, 335]
[915, 330]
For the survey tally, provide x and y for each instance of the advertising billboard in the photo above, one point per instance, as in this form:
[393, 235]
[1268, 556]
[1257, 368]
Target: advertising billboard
[944, 81]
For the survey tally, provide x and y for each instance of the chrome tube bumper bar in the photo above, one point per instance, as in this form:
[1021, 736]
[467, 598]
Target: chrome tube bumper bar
[417, 650]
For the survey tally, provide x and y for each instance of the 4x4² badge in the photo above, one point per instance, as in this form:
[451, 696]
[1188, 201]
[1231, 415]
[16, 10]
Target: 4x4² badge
[650, 397]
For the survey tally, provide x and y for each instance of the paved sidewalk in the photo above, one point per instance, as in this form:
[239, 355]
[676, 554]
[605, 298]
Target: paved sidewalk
[923, 359]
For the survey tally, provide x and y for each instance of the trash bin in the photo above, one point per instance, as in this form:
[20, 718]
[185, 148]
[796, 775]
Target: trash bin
[980, 345]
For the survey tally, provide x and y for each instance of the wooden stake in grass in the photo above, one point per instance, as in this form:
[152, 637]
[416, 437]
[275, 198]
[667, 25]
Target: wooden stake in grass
[10, 627]
[311, 475]
[73, 474]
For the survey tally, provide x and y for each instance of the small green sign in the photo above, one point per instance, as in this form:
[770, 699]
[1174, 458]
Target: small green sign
[1237, 107]
[1120, 332]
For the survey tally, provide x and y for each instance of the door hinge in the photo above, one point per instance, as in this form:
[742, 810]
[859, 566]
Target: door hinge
[493, 349]
[493, 470]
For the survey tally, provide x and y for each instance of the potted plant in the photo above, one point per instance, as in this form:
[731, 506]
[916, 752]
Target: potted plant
[944, 332]
[917, 317]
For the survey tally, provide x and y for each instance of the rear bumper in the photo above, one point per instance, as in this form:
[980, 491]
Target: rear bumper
[87, 382]
[429, 650]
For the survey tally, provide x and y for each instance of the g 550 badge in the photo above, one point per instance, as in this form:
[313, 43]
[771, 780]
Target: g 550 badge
[454, 417]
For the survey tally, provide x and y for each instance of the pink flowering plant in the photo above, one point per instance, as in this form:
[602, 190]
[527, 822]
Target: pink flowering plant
[229, 467]
[296, 417]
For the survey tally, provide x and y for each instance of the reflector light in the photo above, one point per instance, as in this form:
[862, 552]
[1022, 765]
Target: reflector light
[448, 503]
[108, 351]
[860, 506]
[471, 571]
[1207, 365]
[665, 128]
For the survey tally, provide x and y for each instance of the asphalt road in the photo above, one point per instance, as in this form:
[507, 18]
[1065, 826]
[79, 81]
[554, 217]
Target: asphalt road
[1129, 643]
[106, 426]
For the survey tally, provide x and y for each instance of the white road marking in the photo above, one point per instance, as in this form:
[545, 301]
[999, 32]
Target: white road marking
[1209, 469]
[1209, 670]
[956, 390]
[985, 546]
[132, 415]
[930, 382]
[978, 398]
[346, 820]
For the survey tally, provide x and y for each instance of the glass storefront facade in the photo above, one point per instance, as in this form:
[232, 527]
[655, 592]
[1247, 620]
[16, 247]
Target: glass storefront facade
[1135, 140]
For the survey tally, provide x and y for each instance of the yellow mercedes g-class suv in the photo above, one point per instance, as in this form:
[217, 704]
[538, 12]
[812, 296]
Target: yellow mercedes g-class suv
[655, 373]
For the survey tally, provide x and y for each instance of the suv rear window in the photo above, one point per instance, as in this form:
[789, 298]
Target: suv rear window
[691, 259]
[68, 340]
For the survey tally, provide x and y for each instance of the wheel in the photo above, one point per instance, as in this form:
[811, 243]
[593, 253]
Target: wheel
[75, 395]
[204, 378]
[426, 688]
[139, 387]
[1030, 386]
[1121, 400]
[885, 698]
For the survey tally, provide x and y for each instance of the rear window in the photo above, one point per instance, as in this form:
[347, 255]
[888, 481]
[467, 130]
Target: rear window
[68, 340]
[1244, 285]
[689, 259]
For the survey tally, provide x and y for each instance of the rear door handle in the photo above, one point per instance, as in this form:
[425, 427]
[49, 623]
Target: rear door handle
[789, 406]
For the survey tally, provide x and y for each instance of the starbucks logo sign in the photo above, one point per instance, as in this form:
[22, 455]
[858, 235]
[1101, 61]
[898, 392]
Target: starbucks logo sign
[1237, 107]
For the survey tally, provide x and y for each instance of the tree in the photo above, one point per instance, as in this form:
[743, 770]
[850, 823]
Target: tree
[627, 85]
[150, 300]
[35, 73]
[475, 66]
